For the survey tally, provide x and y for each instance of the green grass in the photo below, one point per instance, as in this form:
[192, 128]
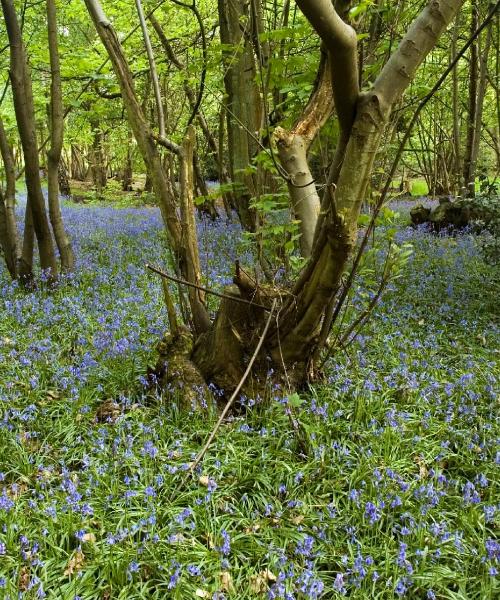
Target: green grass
[400, 487]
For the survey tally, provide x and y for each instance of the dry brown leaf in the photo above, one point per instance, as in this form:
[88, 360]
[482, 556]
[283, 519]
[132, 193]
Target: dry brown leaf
[88, 538]
[424, 472]
[298, 519]
[259, 584]
[226, 582]
[75, 563]
[109, 410]
[204, 480]
[24, 579]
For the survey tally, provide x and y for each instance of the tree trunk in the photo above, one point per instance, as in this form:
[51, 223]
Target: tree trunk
[293, 341]
[481, 94]
[25, 116]
[77, 167]
[457, 164]
[26, 260]
[56, 144]
[243, 103]
[180, 232]
[62, 175]
[8, 226]
[293, 147]
[469, 175]
[222, 348]
[127, 170]
[98, 168]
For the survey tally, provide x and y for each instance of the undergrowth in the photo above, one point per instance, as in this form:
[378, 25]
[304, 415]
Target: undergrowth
[399, 496]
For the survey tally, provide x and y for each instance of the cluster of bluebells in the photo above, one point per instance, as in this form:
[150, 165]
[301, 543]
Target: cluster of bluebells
[403, 446]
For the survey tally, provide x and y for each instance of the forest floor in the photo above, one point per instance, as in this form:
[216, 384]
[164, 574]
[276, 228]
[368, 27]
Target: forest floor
[399, 496]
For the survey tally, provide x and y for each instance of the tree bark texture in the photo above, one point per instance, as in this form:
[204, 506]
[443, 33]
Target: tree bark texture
[293, 147]
[179, 232]
[25, 117]
[469, 175]
[243, 102]
[56, 144]
[8, 226]
[221, 348]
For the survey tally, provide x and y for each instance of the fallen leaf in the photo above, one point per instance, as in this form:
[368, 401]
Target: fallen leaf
[226, 582]
[259, 584]
[75, 563]
[298, 519]
[88, 538]
[24, 579]
[202, 593]
[424, 472]
[204, 480]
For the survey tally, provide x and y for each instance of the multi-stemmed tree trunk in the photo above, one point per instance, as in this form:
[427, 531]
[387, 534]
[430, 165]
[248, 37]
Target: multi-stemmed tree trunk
[181, 235]
[56, 144]
[25, 116]
[221, 349]
[8, 226]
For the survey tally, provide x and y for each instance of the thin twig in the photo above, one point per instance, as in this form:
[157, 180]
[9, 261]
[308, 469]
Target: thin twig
[211, 437]
[204, 289]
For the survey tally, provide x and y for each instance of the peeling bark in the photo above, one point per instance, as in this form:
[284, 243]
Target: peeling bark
[293, 148]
